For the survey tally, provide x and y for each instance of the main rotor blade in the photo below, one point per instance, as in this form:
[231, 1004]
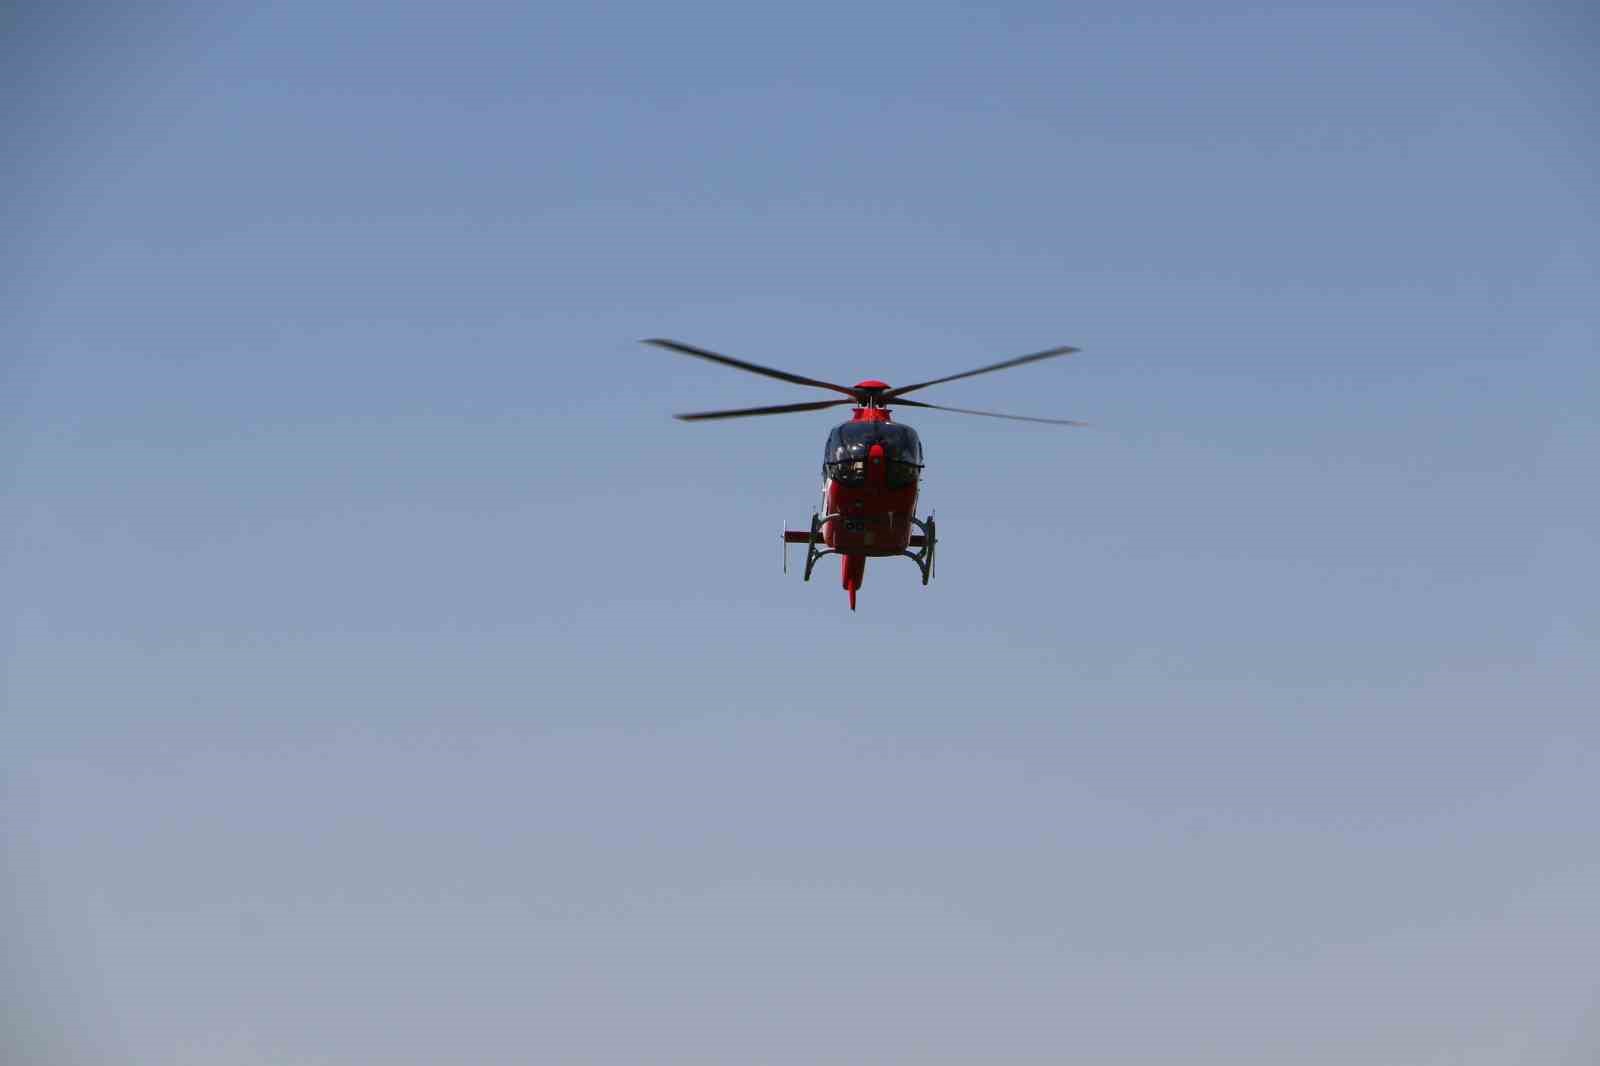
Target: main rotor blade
[988, 414]
[1018, 361]
[754, 368]
[745, 412]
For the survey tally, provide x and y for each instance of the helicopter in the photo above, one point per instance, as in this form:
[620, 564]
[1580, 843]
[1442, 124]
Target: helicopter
[871, 466]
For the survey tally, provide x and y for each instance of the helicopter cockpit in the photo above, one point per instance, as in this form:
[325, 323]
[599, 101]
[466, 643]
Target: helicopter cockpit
[845, 457]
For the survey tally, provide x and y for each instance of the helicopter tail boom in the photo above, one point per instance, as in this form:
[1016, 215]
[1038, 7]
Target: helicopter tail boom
[852, 572]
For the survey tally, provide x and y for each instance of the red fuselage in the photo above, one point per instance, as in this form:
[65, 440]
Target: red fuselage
[871, 472]
[875, 508]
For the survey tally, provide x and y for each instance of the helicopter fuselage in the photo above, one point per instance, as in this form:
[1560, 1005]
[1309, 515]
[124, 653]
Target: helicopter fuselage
[871, 483]
[871, 473]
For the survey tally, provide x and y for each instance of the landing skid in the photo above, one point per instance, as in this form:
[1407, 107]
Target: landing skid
[924, 542]
[923, 556]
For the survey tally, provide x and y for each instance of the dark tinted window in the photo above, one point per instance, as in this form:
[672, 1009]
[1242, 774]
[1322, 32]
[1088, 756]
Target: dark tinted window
[851, 472]
[903, 475]
[854, 439]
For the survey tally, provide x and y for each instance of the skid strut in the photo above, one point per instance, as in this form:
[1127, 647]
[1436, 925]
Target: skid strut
[923, 556]
[814, 538]
[924, 542]
[810, 540]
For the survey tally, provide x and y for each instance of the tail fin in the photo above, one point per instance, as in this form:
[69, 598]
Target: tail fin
[852, 569]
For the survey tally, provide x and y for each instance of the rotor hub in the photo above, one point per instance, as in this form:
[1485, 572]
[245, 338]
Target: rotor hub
[869, 393]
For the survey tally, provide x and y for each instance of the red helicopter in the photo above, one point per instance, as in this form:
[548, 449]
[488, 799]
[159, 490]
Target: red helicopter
[871, 467]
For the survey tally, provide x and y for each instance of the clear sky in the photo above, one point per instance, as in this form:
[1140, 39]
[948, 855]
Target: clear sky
[389, 680]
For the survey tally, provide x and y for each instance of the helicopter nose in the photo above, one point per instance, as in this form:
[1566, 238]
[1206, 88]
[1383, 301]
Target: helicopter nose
[875, 465]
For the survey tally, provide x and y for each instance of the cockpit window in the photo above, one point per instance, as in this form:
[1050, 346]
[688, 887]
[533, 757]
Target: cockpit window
[854, 439]
[850, 472]
[903, 475]
[844, 458]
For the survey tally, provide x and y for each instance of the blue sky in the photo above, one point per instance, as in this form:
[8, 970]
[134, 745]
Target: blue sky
[387, 678]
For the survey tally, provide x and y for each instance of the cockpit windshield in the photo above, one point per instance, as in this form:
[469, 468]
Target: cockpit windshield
[844, 458]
